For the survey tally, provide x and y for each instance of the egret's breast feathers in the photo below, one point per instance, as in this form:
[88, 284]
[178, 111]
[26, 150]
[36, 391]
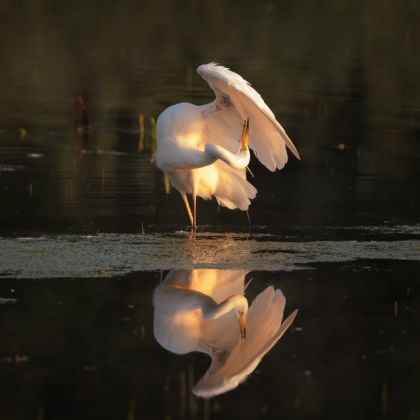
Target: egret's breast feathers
[179, 133]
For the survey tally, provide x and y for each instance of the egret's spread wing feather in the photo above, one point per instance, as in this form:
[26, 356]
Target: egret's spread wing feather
[235, 101]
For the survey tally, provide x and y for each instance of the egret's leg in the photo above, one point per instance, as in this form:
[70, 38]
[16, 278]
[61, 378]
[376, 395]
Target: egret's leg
[249, 219]
[187, 206]
[195, 189]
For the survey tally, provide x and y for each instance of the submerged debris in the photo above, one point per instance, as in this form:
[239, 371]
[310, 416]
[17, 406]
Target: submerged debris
[141, 133]
[23, 132]
[152, 139]
[341, 147]
[7, 300]
[16, 359]
[83, 126]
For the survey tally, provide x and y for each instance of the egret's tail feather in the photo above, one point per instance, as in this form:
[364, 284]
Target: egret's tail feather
[233, 190]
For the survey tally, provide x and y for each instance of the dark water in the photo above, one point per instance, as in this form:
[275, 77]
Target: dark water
[88, 229]
[87, 349]
[336, 73]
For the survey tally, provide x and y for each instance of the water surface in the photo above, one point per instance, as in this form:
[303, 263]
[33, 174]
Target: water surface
[85, 347]
[107, 255]
[88, 228]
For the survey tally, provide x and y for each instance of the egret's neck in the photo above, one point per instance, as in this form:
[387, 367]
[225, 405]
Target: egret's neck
[237, 302]
[198, 159]
[239, 160]
[193, 159]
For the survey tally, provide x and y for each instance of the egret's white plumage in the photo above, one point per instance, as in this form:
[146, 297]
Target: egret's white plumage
[202, 151]
[197, 310]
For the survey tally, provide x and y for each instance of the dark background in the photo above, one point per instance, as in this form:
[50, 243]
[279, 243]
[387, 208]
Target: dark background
[341, 76]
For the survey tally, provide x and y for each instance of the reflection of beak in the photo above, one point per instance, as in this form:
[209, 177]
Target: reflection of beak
[242, 324]
[245, 135]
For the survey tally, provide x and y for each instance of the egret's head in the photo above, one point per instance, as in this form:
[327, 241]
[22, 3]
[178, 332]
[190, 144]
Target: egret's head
[245, 135]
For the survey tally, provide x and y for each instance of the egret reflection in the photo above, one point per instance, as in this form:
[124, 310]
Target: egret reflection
[206, 311]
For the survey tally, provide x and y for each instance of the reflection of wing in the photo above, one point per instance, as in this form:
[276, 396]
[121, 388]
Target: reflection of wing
[264, 328]
[235, 101]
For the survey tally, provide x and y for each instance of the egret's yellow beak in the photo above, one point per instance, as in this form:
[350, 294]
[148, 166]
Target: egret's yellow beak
[245, 135]
[242, 324]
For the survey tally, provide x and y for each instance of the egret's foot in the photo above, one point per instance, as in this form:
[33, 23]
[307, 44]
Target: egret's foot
[242, 324]
[193, 230]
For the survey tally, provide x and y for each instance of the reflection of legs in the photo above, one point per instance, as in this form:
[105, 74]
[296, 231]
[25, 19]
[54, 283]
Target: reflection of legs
[187, 206]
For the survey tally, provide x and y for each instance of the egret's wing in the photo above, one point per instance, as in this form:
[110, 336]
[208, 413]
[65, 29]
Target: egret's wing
[235, 101]
[230, 366]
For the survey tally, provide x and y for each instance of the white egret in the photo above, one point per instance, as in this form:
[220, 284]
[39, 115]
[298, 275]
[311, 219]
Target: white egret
[206, 311]
[198, 147]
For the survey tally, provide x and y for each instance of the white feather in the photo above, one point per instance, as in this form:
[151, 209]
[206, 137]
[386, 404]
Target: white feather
[234, 95]
[198, 147]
